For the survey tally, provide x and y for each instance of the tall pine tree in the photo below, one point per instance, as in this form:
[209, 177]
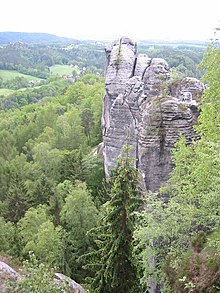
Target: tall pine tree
[114, 262]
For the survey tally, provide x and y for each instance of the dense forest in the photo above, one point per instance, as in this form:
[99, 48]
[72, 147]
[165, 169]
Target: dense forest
[57, 211]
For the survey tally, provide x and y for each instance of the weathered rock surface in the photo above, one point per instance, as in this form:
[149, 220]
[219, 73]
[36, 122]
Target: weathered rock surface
[143, 109]
[7, 273]
[73, 286]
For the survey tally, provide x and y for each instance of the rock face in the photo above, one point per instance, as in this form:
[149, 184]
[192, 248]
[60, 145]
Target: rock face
[73, 286]
[144, 109]
[7, 273]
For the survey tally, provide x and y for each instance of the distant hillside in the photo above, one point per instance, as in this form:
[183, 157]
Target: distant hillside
[175, 43]
[12, 37]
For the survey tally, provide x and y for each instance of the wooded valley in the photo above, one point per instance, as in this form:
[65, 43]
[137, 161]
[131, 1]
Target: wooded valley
[58, 212]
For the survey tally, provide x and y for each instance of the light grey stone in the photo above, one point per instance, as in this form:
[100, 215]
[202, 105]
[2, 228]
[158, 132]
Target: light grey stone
[142, 63]
[72, 285]
[187, 90]
[7, 273]
[143, 109]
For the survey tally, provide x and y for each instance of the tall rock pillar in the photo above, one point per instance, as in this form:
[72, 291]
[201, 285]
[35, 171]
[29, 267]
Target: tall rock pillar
[143, 109]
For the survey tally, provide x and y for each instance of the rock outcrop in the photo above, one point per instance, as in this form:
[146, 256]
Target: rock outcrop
[7, 274]
[144, 109]
[73, 286]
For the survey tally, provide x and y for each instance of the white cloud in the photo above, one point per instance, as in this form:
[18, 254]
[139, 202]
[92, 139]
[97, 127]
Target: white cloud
[100, 19]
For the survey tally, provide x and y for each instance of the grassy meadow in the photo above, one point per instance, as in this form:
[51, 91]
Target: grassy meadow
[11, 74]
[5, 92]
[62, 70]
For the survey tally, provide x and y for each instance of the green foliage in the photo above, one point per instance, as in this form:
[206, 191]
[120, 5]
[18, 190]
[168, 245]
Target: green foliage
[29, 225]
[44, 144]
[209, 117]
[72, 167]
[36, 59]
[5, 92]
[113, 261]
[87, 119]
[39, 235]
[182, 59]
[198, 270]
[15, 198]
[51, 181]
[7, 148]
[94, 178]
[20, 98]
[46, 148]
[48, 246]
[79, 210]
[7, 236]
[118, 59]
[57, 200]
[188, 207]
[78, 216]
[48, 160]
[214, 240]
[69, 130]
[14, 80]
[38, 279]
[91, 79]
[60, 70]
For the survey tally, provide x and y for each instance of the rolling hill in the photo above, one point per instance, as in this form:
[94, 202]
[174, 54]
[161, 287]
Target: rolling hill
[12, 37]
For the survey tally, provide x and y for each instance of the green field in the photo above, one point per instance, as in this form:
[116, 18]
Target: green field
[11, 74]
[5, 92]
[61, 70]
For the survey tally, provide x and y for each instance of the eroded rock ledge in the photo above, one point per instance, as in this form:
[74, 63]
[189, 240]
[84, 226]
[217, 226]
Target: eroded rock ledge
[8, 274]
[144, 109]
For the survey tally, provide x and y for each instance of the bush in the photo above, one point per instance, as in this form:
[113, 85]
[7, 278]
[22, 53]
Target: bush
[38, 279]
[197, 271]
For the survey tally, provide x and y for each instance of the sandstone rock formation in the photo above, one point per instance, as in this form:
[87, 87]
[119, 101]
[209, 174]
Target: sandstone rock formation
[144, 109]
[7, 273]
[73, 286]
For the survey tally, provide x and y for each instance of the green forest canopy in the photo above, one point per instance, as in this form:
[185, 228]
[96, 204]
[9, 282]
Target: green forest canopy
[51, 186]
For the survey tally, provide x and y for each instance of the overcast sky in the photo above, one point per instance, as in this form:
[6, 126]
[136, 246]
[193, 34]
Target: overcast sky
[107, 20]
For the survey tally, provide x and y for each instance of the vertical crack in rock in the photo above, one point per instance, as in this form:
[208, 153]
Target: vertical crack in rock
[135, 121]
[143, 109]
[133, 71]
[162, 134]
[142, 78]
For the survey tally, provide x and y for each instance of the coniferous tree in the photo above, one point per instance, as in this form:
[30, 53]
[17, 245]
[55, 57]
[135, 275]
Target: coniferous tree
[114, 261]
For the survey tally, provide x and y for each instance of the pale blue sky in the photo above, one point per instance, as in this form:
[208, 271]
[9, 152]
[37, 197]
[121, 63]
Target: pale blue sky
[101, 19]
